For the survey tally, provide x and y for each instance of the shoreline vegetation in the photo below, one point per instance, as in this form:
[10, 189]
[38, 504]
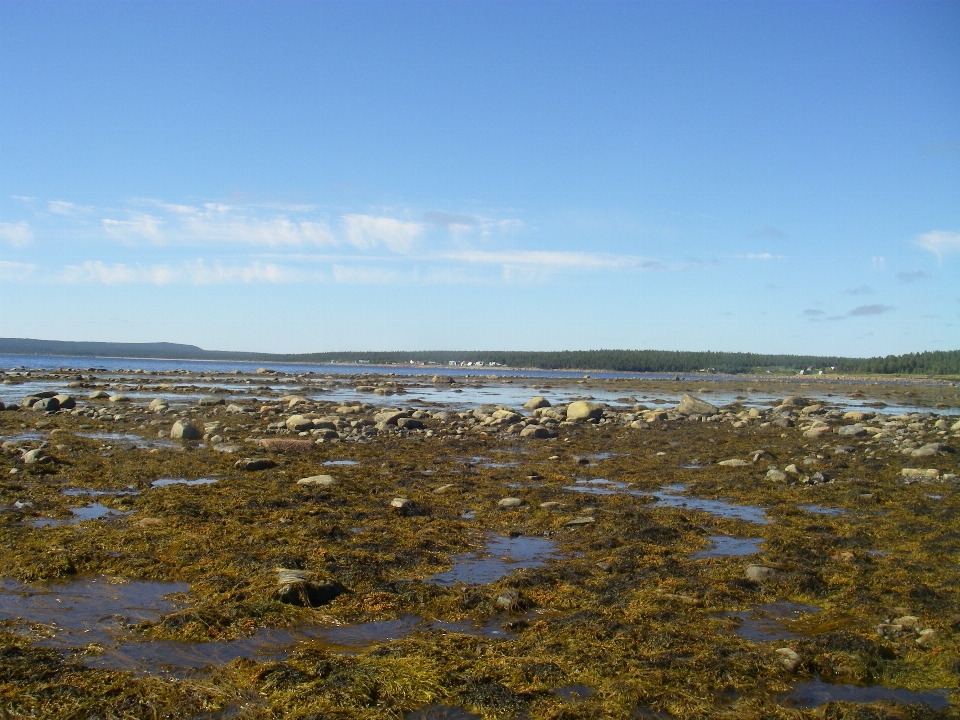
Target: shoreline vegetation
[937, 363]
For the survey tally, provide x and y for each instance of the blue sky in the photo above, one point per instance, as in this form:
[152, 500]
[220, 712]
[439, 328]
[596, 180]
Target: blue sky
[295, 177]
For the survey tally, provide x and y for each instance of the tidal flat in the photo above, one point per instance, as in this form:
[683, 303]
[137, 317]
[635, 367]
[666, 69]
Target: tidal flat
[266, 545]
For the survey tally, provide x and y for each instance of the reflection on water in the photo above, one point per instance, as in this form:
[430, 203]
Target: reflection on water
[94, 511]
[501, 556]
[771, 621]
[815, 692]
[725, 546]
[86, 610]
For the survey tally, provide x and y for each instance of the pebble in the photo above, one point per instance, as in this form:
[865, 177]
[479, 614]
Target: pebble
[510, 502]
[576, 522]
[733, 462]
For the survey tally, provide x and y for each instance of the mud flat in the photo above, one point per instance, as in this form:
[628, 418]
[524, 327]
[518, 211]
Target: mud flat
[265, 545]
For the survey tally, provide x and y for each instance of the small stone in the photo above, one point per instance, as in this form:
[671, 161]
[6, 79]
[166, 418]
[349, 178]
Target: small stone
[537, 431]
[149, 522]
[550, 505]
[789, 659]
[775, 475]
[321, 480]
[577, 522]
[443, 488]
[510, 502]
[733, 462]
[98, 395]
[927, 638]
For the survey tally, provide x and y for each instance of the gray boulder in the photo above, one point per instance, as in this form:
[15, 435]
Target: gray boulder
[184, 430]
[536, 403]
[690, 405]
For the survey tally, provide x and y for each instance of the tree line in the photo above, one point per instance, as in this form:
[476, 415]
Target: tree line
[938, 362]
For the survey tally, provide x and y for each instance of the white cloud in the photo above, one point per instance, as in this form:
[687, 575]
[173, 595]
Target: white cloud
[140, 226]
[367, 232]
[270, 233]
[192, 273]
[15, 271]
[62, 207]
[16, 234]
[878, 262]
[939, 242]
[547, 259]
[760, 256]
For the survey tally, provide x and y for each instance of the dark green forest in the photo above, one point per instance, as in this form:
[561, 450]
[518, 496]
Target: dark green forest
[924, 363]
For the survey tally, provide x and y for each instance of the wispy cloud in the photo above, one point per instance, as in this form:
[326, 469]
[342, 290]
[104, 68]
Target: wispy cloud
[878, 262]
[866, 310]
[939, 242]
[69, 209]
[860, 290]
[367, 232]
[197, 272]
[139, 227]
[760, 256]
[810, 312]
[553, 259]
[15, 271]
[16, 234]
[911, 277]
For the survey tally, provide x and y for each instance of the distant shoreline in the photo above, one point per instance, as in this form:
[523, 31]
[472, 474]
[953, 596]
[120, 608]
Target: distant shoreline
[932, 364]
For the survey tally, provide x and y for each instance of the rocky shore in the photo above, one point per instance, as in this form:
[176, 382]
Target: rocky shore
[371, 546]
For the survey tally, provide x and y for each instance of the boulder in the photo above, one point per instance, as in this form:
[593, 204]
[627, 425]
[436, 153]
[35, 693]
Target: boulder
[408, 423]
[295, 588]
[211, 401]
[925, 474]
[536, 403]
[50, 404]
[66, 401]
[98, 395]
[155, 403]
[184, 430]
[690, 405]
[584, 410]
[763, 574]
[321, 480]
[928, 450]
[119, 398]
[442, 379]
[298, 423]
[254, 464]
[390, 417]
[537, 431]
[288, 446]
[794, 401]
[851, 431]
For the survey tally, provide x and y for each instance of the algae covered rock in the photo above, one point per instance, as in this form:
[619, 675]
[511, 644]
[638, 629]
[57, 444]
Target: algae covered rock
[294, 587]
[254, 464]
